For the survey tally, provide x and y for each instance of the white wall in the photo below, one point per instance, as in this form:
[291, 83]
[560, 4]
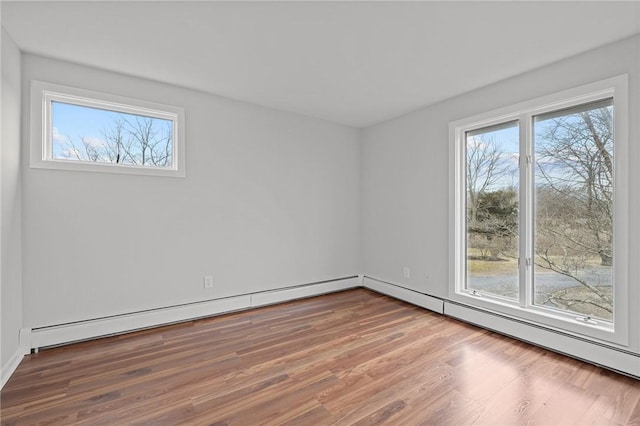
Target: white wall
[269, 201]
[405, 195]
[10, 202]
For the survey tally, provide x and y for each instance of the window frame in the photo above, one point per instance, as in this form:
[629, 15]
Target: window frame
[43, 94]
[616, 332]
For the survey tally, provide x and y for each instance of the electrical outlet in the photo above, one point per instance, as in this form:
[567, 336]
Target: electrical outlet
[406, 271]
[208, 281]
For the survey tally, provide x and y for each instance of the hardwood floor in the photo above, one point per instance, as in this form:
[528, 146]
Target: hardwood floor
[354, 357]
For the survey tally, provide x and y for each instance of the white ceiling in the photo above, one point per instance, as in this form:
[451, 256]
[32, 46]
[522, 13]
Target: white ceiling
[355, 63]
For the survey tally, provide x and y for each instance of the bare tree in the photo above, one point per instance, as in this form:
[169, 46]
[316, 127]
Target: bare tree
[117, 142]
[128, 140]
[491, 199]
[87, 149]
[484, 169]
[574, 157]
[149, 141]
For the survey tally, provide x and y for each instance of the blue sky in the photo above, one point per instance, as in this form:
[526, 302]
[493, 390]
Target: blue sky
[507, 141]
[76, 122]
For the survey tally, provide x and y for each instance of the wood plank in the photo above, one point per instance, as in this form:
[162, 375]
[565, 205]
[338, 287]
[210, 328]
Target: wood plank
[354, 357]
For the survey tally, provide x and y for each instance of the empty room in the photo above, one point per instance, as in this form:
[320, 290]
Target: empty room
[320, 213]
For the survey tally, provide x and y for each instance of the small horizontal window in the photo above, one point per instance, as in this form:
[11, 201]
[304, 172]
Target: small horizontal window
[74, 129]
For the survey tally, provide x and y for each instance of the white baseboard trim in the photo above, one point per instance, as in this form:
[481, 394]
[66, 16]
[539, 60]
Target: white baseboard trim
[8, 369]
[73, 332]
[299, 292]
[404, 294]
[594, 353]
[84, 330]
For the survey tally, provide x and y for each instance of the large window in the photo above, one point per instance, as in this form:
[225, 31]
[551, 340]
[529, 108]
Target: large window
[74, 129]
[540, 208]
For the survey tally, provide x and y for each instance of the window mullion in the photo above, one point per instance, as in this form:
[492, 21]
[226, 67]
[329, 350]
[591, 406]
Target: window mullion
[526, 211]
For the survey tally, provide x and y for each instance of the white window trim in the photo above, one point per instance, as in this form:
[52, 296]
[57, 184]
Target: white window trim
[617, 332]
[43, 93]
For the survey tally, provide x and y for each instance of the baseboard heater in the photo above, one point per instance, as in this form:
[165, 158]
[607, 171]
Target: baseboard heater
[61, 334]
[407, 295]
[612, 358]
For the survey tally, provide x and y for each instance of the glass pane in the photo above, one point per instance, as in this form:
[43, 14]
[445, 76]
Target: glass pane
[96, 135]
[492, 180]
[574, 210]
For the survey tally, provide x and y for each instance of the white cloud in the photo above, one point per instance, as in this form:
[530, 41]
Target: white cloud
[70, 153]
[59, 137]
[94, 142]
